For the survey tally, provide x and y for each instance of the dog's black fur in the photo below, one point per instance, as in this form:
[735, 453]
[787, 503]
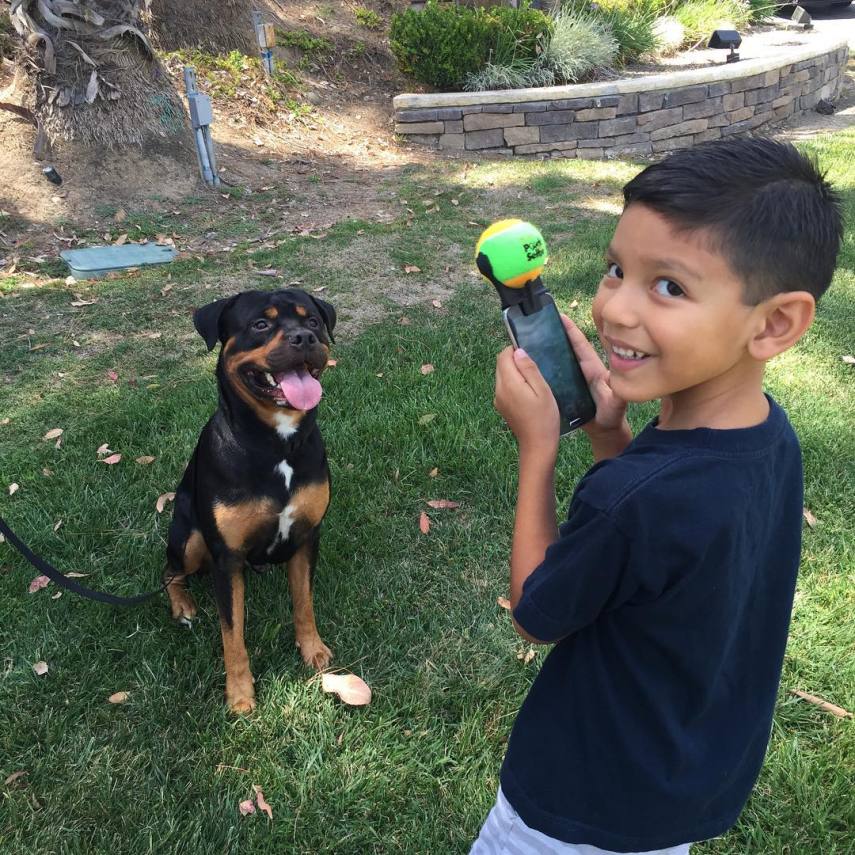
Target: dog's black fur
[257, 486]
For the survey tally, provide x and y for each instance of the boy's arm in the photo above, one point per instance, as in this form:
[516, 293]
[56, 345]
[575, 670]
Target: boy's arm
[527, 404]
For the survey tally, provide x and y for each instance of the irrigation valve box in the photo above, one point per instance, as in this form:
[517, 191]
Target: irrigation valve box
[200, 110]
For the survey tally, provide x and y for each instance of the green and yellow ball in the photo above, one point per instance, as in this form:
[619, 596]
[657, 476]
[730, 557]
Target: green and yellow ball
[516, 250]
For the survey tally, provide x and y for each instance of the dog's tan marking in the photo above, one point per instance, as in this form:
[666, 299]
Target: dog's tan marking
[301, 311]
[237, 523]
[181, 603]
[229, 345]
[240, 692]
[271, 312]
[310, 503]
[313, 650]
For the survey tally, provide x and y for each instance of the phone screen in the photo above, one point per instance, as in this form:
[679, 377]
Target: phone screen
[543, 337]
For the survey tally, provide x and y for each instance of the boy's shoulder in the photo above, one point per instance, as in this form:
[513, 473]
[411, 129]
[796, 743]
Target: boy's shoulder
[672, 475]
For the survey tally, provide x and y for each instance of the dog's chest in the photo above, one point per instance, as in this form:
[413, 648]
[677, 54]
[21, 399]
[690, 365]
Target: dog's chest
[305, 504]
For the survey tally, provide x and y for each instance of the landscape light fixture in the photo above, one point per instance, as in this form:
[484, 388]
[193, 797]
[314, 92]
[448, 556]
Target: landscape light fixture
[726, 39]
[800, 16]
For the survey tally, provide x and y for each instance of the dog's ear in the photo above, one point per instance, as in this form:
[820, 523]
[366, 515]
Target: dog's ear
[327, 313]
[207, 320]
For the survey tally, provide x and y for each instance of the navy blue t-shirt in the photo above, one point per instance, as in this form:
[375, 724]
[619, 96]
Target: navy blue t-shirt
[669, 593]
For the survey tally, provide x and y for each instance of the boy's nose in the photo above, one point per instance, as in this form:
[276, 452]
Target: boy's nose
[619, 307]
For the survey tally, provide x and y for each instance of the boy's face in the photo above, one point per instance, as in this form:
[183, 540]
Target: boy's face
[669, 311]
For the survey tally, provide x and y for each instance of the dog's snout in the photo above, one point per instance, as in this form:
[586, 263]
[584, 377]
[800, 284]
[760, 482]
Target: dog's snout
[302, 339]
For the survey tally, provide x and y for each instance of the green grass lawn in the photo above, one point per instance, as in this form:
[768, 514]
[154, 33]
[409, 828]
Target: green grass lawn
[415, 615]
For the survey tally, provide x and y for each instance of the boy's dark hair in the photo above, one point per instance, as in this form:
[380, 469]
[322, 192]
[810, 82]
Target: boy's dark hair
[768, 208]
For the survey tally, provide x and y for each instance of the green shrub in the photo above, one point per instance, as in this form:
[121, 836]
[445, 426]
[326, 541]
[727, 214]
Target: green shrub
[701, 17]
[367, 18]
[580, 45]
[631, 22]
[443, 45]
[763, 10]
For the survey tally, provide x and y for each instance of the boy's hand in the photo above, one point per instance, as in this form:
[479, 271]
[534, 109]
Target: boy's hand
[526, 402]
[611, 410]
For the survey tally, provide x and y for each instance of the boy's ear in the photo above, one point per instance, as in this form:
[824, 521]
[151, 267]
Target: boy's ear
[207, 320]
[783, 320]
[327, 313]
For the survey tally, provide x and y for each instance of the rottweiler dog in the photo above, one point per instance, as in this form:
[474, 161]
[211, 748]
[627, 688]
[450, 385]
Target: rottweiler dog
[258, 485]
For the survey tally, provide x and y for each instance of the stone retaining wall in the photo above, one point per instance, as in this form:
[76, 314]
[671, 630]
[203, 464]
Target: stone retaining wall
[631, 117]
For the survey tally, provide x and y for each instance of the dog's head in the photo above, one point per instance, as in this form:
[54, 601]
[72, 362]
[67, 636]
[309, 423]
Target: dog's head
[275, 346]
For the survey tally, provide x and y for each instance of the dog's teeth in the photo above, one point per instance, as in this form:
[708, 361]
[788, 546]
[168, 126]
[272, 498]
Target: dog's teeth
[269, 378]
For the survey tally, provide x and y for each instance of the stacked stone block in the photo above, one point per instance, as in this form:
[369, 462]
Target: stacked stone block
[640, 123]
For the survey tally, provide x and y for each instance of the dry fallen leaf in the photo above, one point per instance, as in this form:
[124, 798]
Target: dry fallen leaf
[74, 575]
[411, 268]
[162, 500]
[118, 697]
[351, 689]
[443, 504]
[14, 777]
[405, 321]
[113, 458]
[56, 525]
[120, 240]
[331, 363]
[433, 472]
[5, 421]
[40, 668]
[144, 460]
[529, 656]
[810, 519]
[427, 368]
[53, 433]
[104, 449]
[426, 418]
[424, 523]
[120, 215]
[822, 704]
[262, 802]
[56, 596]
[437, 304]
[849, 360]
[38, 583]
[13, 488]
[504, 602]
[246, 807]
[81, 302]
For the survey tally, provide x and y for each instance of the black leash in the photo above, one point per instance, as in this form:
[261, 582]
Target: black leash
[70, 584]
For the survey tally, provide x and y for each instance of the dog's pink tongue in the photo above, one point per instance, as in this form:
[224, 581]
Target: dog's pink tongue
[300, 388]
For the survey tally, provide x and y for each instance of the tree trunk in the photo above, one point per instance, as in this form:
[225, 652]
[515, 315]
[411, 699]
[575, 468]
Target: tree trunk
[216, 26]
[90, 74]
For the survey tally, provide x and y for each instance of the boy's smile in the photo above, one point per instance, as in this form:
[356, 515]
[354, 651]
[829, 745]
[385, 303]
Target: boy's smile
[670, 315]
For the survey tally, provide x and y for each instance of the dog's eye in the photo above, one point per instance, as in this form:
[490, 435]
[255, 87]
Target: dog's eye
[314, 323]
[261, 325]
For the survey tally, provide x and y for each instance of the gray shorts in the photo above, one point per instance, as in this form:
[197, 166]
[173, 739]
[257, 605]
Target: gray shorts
[504, 833]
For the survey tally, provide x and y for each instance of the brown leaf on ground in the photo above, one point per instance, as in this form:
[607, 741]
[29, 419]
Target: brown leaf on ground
[144, 460]
[433, 472]
[53, 433]
[246, 807]
[352, 690]
[120, 215]
[424, 523]
[262, 802]
[504, 602]
[427, 368]
[437, 304]
[411, 268]
[13, 488]
[15, 776]
[38, 583]
[822, 704]
[113, 458]
[40, 667]
[120, 240]
[118, 697]
[849, 360]
[426, 418]
[75, 575]
[405, 321]
[443, 504]
[810, 519]
[104, 449]
[162, 500]
[528, 656]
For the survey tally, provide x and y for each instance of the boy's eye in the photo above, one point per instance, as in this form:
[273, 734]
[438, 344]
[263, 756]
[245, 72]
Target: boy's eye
[668, 288]
[613, 271]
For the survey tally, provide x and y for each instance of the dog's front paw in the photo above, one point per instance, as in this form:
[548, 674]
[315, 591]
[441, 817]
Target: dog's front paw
[182, 605]
[314, 652]
[240, 696]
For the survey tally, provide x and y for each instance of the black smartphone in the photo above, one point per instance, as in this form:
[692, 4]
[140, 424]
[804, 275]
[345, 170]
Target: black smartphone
[542, 335]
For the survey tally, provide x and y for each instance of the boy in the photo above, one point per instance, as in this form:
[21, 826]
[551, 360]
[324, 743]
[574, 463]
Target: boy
[668, 590]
